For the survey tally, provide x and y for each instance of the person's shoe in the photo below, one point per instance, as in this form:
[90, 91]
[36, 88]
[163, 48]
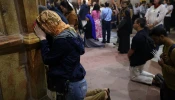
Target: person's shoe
[103, 42]
[158, 80]
[107, 41]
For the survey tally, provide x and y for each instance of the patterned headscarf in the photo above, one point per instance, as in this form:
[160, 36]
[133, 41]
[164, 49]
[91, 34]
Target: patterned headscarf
[51, 23]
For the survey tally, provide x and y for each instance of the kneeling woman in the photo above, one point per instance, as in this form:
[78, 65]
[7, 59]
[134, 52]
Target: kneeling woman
[90, 34]
[63, 58]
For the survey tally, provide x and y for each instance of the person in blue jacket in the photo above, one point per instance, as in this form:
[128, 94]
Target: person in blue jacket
[63, 57]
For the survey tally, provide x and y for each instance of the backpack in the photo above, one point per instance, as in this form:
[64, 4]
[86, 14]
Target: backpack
[150, 48]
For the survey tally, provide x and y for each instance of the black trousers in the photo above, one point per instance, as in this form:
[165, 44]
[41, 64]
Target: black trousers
[106, 27]
[166, 93]
[167, 23]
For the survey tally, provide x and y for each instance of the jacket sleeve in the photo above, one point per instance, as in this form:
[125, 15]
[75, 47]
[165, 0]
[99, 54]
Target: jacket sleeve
[53, 55]
[168, 68]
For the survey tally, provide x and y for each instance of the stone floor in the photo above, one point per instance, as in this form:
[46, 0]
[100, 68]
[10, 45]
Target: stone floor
[107, 68]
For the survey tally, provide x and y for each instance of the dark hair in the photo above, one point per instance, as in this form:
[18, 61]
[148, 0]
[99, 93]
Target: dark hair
[160, 1]
[106, 4]
[141, 21]
[102, 5]
[42, 8]
[96, 7]
[66, 5]
[84, 1]
[51, 1]
[158, 31]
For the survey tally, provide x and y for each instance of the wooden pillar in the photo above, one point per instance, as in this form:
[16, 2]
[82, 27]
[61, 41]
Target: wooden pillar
[31, 12]
[42, 2]
[8, 20]
[36, 70]
[22, 73]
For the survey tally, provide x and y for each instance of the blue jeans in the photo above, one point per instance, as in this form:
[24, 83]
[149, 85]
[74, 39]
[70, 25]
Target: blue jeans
[77, 90]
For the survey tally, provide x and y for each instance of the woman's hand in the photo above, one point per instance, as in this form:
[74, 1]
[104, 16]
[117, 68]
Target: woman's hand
[39, 32]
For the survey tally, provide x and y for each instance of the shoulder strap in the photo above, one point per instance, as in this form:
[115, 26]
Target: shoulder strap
[106, 14]
[171, 49]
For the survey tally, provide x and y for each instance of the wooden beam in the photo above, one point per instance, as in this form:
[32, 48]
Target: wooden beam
[42, 2]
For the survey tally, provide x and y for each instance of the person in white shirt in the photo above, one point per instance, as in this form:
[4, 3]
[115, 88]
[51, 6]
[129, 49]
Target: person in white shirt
[91, 8]
[156, 14]
[136, 9]
[167, 19]
[143, 9]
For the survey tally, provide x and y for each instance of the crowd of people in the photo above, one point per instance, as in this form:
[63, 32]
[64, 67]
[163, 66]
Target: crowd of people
[59, 26]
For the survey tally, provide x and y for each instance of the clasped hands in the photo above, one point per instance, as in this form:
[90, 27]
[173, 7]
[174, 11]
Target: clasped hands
[163, 58]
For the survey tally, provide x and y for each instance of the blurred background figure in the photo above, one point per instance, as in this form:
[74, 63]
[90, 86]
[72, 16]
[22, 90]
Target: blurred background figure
[156, 14]
[124, 29]
[90, 33]
[143, 9]
[96, 16]
[106, 23]
[136, 14]
[114, 20]
[84, 10]
[167, 19]
[70, 14]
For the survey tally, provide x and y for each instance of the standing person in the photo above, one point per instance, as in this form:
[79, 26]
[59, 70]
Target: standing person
[173, 15]
[143, 9]
[91, 8]
[106, 23]
[136, 12]
[63, 58]
[130, 6]
[84, 10]
[102, 7]
[96, 16]
[136, 54]
[54, 7]
[70, 14]
[156, 14]
[167, 19]
[124, 29]
[114, 20]
[167, 62]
